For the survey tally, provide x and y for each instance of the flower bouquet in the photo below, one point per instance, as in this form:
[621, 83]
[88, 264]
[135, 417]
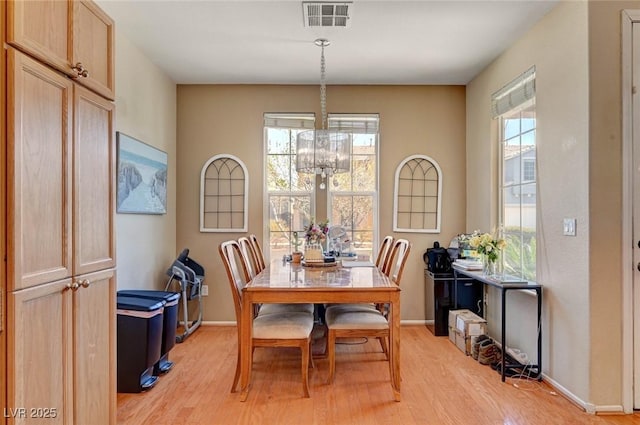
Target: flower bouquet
[316, 233]
[489, 247]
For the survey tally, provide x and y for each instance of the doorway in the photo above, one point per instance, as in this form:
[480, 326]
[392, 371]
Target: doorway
[631, 208]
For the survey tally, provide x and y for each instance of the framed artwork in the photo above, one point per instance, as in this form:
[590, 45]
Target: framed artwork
[142, 177]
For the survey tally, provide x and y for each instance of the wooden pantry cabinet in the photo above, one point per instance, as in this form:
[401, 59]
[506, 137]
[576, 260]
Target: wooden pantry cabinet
[73, 36]
[59, 298]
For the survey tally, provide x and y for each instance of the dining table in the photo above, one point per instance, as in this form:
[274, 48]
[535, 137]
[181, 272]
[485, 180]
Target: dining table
[348, 282]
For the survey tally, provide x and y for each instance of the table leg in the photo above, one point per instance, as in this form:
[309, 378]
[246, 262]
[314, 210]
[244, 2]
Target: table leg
[504, 332]
[394, 344]
[246, 353]
[539, 295]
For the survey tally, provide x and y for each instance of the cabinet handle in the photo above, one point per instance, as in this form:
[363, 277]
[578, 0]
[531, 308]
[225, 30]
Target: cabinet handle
[81, 70]
[85, 283]
[73, 286]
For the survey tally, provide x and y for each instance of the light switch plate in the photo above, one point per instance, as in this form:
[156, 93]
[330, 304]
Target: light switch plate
[569, 227]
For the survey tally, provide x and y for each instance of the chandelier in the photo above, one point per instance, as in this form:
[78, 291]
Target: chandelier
[325, 151]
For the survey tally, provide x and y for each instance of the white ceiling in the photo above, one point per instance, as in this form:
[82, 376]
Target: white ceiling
[265, 42]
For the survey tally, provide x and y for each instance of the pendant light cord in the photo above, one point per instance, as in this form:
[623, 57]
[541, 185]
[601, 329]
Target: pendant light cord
[323, 88]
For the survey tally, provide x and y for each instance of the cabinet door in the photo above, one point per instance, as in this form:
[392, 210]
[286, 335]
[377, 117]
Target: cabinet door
[41, 28]
[38, 173]
[39, 352]
[94, 183]
[93, 40]
[94, 333]
[66, 34]
[3, 234]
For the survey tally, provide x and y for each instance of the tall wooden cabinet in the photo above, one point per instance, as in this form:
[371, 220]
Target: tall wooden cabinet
[60, 179]
[73, 36]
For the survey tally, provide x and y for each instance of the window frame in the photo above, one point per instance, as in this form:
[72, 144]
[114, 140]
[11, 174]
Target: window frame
[503, 185]
[267, 194]
[341, 117]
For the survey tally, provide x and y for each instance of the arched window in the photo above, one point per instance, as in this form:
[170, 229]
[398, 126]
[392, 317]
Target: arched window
[417, 195]
[224, 187]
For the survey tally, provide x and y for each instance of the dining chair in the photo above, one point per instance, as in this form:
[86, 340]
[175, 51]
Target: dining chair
[382, 259]
[384, 251]
[397, 259]
[259, 253]
[249, 252]
[252, 266]
[345, 321]
[289, 329]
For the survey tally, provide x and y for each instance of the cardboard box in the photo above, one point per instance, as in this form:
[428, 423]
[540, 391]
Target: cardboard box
[464, 327]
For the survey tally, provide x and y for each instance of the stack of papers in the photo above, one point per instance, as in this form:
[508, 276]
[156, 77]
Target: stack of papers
[468, 264]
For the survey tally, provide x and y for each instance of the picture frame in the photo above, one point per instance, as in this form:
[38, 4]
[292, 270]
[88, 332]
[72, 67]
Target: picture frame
[142, 177]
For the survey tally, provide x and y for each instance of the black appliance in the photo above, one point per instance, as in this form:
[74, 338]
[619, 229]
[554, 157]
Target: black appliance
[441, 292]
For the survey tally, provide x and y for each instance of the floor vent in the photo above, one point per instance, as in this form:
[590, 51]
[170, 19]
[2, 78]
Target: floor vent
[327, 14]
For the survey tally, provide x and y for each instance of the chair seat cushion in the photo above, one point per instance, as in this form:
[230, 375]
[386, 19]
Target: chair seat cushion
[343, 319]
[292, 325]
[285, 308]
[352, 307]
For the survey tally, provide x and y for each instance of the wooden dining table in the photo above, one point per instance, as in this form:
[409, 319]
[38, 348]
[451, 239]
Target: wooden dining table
[282, 282]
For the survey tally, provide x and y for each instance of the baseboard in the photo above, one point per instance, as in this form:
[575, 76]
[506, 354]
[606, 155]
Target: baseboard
[415, 322]
[218, 323]
[587, 407]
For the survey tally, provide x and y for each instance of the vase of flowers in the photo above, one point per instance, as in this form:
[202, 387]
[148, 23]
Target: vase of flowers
[489, 247]
[316, 233]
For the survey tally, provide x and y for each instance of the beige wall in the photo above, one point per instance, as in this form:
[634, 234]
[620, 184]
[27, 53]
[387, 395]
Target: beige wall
[557, 46]
[228, 119]
[146, 110]
[576, 51]
[605, 206]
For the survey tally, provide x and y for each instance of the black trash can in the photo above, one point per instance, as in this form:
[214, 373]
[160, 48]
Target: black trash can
[139, 342]
[170, 322]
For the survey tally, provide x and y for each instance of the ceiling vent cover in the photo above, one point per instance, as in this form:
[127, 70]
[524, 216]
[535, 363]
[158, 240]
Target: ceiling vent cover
[327, 14]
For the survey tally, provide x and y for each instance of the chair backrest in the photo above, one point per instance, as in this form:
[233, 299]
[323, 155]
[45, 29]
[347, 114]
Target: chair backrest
[397, 259]
[259, 254]
[237, 274]
[248, 250]
[384, 251]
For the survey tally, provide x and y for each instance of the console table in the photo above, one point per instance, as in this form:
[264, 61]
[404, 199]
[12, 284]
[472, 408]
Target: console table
[505, 284]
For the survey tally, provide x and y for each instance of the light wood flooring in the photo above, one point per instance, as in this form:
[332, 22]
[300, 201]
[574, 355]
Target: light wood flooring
[440, 385]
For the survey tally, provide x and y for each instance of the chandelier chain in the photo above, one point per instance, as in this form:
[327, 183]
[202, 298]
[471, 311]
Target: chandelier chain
[323, 90]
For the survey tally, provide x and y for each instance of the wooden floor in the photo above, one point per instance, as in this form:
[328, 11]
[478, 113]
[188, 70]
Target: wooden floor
[439, 386]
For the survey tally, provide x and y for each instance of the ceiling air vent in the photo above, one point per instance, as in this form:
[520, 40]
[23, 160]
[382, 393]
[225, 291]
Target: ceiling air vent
[327, 14]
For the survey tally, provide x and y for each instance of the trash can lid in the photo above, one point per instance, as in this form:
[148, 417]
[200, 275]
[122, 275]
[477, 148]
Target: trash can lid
[138, 304]
[151, 294]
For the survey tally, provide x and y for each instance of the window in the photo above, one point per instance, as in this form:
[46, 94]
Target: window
[290, 196]
[518, 200]
[529, 169]
[353, 200]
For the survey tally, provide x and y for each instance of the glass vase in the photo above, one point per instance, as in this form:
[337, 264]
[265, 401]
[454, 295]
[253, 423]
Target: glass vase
[489, 266]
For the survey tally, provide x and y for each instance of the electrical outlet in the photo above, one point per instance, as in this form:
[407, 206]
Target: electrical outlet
[205, 290]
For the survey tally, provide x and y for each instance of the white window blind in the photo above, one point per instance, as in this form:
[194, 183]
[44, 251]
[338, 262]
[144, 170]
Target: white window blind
[355, 123]
[289, 121]
[514, 94]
